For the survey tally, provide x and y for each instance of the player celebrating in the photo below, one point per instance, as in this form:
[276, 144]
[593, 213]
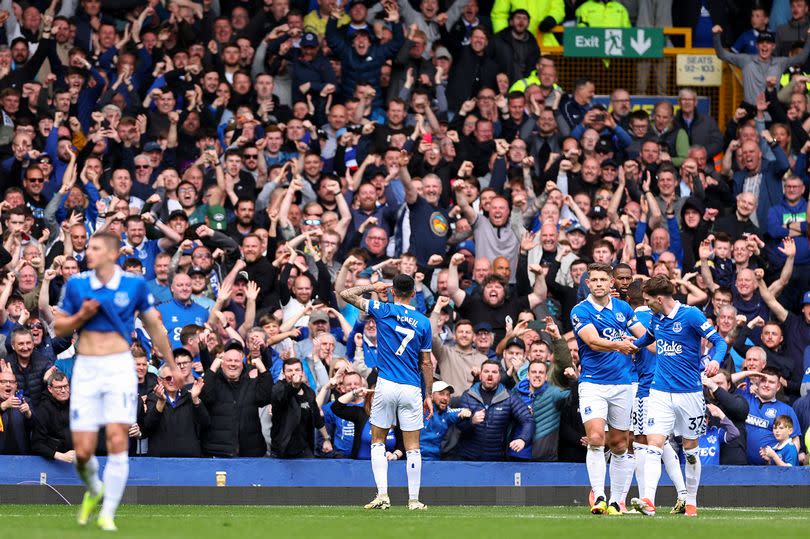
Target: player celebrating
[404, 345]
[601, 323]
[101, 304]
[676, 396]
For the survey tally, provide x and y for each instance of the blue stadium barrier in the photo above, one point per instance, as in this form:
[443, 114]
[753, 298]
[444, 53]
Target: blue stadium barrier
[351, 473]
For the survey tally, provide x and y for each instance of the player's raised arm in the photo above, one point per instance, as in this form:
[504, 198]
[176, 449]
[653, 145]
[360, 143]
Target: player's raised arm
[354, 295]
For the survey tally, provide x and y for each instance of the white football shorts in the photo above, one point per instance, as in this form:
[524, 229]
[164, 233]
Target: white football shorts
[611, 402]
[681, 414]
[103, 390]
[399, 404]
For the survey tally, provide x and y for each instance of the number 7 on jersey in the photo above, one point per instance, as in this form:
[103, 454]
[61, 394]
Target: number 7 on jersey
[409, 333]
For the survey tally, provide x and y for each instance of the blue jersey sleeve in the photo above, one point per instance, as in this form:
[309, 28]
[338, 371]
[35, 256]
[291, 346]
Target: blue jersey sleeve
[647, 339]
[378, 309]
[452, 415]
[427, 340]
[580, 318]
[69, 302]
[630, 315]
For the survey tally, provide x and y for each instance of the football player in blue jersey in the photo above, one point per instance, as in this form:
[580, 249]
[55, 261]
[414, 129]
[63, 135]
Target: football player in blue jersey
[101, 304]
[603, 326]
[644, 363]
[403, 350]
[676, 404]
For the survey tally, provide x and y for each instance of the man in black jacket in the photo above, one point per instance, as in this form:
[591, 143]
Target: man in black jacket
[735, 407]
[473, 69]
[296, 415]
[51, 437]
[15, 416]
[28, 365]
[232, 399]
[175, 417]
[516, 49]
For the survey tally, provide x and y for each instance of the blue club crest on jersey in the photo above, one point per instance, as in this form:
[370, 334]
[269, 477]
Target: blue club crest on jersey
[587, 410]
[121, 299]
[620, 317]
[770, 412]
[677, 327]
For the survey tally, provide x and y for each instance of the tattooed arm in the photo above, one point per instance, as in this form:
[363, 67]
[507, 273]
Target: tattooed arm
[354, 295]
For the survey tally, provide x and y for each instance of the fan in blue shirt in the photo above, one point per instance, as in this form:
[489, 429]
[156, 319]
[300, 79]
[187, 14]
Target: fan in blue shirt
[783, 452]
[181, 311]
[144, 249]
[763, 409]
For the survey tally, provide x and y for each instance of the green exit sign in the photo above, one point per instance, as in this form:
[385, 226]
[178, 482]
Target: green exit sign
[613, 42]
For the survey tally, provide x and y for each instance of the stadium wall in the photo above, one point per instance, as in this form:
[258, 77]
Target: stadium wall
[348, 482]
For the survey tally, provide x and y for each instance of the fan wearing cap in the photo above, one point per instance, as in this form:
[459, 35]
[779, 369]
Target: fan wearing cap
[362, 60]
[455, 363]
[312, 73]
[27, 67]
[758, 67]
[358, 15]
[199, 285]
[443, 418]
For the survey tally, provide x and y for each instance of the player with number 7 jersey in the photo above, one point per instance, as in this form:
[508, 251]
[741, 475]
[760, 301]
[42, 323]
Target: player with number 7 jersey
[402, 333]
[404, 342]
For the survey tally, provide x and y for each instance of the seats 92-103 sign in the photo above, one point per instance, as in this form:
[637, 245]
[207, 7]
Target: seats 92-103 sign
[613, 42]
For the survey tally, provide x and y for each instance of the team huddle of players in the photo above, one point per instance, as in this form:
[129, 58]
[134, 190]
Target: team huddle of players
[659, 345]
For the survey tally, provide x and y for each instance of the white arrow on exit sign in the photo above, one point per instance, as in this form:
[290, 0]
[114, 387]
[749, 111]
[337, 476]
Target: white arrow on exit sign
[640, 43]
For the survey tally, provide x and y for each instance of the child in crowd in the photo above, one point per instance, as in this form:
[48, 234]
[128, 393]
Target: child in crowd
[783, 452]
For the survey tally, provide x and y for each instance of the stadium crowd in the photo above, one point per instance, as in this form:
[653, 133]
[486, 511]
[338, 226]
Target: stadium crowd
[259, 157]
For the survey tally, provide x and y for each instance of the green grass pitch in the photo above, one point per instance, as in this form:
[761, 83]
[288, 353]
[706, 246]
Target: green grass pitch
[203, 522]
